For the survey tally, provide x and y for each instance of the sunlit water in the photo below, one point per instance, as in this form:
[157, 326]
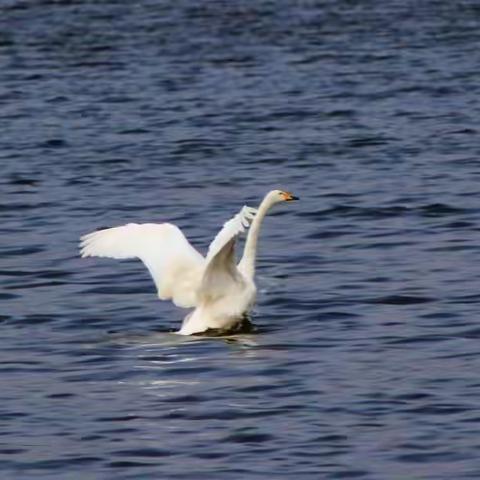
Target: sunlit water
[366, 363]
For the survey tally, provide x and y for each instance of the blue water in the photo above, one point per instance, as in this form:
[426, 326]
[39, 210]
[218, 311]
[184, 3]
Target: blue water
[367, 358]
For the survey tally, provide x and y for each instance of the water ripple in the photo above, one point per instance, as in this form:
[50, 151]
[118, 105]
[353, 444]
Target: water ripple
[365, 360]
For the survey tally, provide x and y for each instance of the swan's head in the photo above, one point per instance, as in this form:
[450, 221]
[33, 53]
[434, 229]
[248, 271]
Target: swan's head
[277, 196]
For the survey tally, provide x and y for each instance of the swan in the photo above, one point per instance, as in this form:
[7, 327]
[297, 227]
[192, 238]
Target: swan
[221, 291]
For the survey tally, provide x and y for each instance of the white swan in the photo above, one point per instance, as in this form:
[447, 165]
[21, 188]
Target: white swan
[221, 291]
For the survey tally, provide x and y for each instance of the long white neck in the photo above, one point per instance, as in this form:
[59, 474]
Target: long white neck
[247, 263]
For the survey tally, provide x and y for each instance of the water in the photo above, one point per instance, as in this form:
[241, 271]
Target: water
[366, 363]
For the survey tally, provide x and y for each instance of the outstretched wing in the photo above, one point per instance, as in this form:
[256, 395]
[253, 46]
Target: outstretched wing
[230, 230]
[221, 271]
[175, 266]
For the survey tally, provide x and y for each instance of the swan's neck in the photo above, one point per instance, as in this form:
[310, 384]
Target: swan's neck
[247, 263]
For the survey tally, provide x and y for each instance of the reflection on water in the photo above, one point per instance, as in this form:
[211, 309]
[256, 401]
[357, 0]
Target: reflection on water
[171, 339]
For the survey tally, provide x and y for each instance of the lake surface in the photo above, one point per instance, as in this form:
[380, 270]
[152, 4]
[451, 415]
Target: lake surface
[366, 363]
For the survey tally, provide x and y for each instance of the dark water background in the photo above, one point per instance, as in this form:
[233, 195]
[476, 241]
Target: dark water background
[367, 362]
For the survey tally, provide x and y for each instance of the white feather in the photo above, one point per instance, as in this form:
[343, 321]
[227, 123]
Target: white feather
[224, 293]
[231, 229]
[175, 266]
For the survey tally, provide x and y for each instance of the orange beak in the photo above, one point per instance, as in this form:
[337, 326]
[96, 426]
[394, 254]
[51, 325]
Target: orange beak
[288, 197]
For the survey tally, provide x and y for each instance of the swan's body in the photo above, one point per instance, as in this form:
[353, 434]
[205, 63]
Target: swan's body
[221, 291]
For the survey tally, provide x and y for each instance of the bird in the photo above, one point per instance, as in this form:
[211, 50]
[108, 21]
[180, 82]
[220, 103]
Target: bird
[220, 291]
